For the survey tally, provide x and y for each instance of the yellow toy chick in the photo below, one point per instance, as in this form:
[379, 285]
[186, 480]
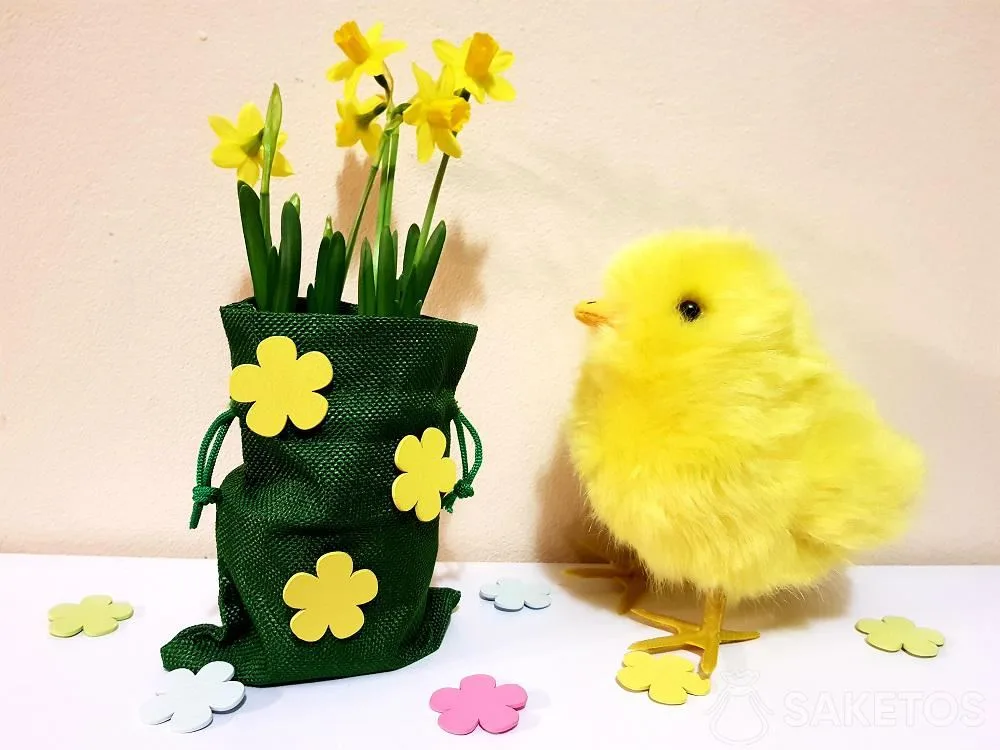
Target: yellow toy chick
[717, 440]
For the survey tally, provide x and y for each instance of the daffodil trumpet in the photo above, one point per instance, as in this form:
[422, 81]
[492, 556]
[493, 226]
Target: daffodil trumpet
[394, 276]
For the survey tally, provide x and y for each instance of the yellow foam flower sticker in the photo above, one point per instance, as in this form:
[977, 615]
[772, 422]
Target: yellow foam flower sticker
[282, 387]
[895, 633]
[94, 615]
[427, 473]
[669, 679]
[330, 599]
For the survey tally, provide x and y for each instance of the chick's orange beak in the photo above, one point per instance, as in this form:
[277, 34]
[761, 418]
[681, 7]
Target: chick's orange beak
[593, 313]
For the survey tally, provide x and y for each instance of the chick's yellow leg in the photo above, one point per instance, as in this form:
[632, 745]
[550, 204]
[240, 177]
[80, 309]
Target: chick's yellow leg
[707, 637]
[632, 580]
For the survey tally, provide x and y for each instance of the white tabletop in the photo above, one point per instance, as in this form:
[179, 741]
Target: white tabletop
[809, 682]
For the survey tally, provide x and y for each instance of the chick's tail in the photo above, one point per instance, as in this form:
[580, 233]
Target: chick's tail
[864, 482]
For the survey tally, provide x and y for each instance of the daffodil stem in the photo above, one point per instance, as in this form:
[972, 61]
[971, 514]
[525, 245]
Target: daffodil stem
[372, 173]
[384, 216]
[265, 216]
[425, 228]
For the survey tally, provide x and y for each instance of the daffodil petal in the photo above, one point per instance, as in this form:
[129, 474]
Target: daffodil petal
[384, 49]
[346, 622]
[248, 171]
[363, 586]
[223, 128]
[341, 70]
[300, 590]
[309, 625]
[404, 492]
[501, 90]
[265, 419]
[501, 61]
[425, 142]
[249, 122]
[669, 693]
[374, 33]
[228, 156]
[334, 567]
[425, 84]
[446, 52]
[409, 453]
[314, 371]
[281, 167]
[282, 139]
[246, 383]
[371, 138]
[447, 142]
[276, 353]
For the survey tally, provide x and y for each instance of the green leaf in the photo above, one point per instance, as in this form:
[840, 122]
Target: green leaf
[322, 281]
[311, 299]
[427, 267]
[337, 272]
[289, 260]
[366, 281]
[296, 201]
[386, 286]
[253, 237]
[328, 227]
[409, 250]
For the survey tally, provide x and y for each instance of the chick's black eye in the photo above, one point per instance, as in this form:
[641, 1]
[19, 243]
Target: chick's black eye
[689, 310]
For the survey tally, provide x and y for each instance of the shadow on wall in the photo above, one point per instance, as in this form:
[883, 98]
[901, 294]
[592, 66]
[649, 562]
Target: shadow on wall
[457, 285]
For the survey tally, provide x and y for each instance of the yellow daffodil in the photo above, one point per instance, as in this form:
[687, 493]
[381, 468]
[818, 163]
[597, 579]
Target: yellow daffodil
[366, 53]
[95, 616]
[426, 474]
[282, 387]
[477, 66]
[357, 123]
[240, 145]
[330, 599]
[437, 113]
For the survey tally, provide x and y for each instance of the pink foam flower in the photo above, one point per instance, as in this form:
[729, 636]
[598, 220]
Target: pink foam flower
[478, 702]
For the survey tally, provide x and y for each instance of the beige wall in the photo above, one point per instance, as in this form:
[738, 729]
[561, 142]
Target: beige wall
[860, 140]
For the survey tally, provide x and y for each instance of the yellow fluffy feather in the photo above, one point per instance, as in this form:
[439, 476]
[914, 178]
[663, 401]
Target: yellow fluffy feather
[727, 450]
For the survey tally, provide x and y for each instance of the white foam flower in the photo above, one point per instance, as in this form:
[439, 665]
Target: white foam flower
[188, 699]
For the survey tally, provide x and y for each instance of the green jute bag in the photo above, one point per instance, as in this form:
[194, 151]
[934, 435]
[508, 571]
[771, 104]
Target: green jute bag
[303, 494]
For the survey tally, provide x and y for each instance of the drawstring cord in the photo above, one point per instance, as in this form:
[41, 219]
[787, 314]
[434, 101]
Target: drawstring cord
[463, 487]
[204, 493]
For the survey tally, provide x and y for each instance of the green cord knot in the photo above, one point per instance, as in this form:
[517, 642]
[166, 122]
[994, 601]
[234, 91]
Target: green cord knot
[204, 493]
[202, 496]
[463, 487]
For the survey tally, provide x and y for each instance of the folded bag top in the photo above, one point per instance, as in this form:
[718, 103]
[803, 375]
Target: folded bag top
[303, 494]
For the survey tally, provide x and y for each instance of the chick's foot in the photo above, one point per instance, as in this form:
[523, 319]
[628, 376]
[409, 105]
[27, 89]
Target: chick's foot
[706, 637]
[632, 580]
